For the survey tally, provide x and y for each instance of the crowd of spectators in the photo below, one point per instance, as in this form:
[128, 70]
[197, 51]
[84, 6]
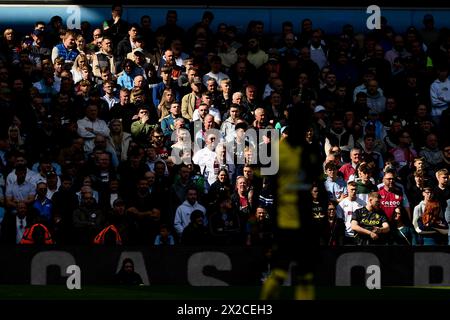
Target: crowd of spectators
[107, 132]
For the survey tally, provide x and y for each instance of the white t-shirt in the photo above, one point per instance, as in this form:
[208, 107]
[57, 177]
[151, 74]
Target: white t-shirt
[345, 211]
[212, 111]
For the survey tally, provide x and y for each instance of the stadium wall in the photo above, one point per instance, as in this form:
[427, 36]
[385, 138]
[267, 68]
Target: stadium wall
[331, 19]
[345, 266]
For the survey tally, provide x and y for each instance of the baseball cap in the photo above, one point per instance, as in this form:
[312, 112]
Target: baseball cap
[319, 108]
[138, 51]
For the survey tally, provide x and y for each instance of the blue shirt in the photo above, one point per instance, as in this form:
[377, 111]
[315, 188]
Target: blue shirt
[335, 188]
[125, 80]
[44, 208]
[20, 191]
[159, 242]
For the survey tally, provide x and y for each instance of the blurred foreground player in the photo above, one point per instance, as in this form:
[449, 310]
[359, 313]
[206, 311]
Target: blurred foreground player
[295, 241]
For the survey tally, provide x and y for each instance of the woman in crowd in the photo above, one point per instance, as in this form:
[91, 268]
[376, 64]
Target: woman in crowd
[119, 139]
[333, 228]
[434, 228]
[221, 186]
[80, 62]
[402, 230]
[15, 139]
[167, 98]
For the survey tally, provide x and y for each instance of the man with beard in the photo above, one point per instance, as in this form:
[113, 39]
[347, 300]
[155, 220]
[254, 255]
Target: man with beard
[88, 219]
[370, 223]
[338, 136]
[145, 214]
[392, 196]
[184, 211]
[256, 56]
[104, 58]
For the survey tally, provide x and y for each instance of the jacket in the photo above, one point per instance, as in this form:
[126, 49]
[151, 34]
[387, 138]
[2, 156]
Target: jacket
[188, 106]
[29, 232]
[100, 238]
[183, 215]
